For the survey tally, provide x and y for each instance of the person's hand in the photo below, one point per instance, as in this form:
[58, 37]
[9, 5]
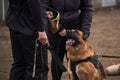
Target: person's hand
[42, 37]
[63, 33]
[49, 14]
[85, 36]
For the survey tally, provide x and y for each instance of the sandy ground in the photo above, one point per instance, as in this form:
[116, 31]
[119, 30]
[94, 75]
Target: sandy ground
[104, 38]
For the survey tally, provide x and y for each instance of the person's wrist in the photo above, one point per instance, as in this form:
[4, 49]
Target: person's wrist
[86, 36]
[60, 29]
[63, 33]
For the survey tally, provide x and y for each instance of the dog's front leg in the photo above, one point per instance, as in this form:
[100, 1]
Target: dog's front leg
[69, 71]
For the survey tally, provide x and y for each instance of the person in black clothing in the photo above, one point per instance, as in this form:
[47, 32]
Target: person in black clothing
[74, 14]
[27, 24]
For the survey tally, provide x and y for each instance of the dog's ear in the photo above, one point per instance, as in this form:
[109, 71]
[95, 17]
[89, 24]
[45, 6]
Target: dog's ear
[79, 34]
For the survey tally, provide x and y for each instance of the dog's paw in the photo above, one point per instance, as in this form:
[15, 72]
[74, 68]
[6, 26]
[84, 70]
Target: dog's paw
[113, 70]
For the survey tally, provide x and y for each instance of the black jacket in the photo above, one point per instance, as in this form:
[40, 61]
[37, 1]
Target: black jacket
[75, 14]
[26, 16]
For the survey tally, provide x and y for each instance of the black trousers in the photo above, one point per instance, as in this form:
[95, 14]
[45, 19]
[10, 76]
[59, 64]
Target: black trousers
[23, 50]
[58, 43]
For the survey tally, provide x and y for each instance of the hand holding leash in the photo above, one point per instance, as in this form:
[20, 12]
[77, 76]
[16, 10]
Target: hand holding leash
[50, 14]
[42, 37]
[63, 33]
[85, 36]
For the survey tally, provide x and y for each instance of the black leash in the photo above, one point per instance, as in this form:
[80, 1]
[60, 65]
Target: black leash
[60, 64]
[108, 56]
[51, 49]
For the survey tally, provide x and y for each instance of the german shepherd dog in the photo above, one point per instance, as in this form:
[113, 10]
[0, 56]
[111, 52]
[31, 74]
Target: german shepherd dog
[83, 63]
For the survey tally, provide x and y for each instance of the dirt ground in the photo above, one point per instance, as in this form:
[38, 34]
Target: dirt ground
[104, 38]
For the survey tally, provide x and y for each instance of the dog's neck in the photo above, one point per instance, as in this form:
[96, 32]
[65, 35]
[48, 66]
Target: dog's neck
[81, 51]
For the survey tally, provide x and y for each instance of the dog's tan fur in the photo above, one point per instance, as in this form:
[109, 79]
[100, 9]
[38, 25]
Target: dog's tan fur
[84, 70]
[53, 26]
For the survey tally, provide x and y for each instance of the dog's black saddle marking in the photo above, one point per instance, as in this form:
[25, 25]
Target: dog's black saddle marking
[93, 60]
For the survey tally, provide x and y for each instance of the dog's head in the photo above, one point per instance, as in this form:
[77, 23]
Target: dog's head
[75, 37]
[77, 48]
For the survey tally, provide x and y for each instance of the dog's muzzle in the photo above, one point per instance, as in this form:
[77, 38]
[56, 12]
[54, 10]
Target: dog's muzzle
[72, 39]
[72, 42]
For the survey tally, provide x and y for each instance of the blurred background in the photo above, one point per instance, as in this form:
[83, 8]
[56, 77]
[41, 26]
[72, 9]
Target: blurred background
[104, 37]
